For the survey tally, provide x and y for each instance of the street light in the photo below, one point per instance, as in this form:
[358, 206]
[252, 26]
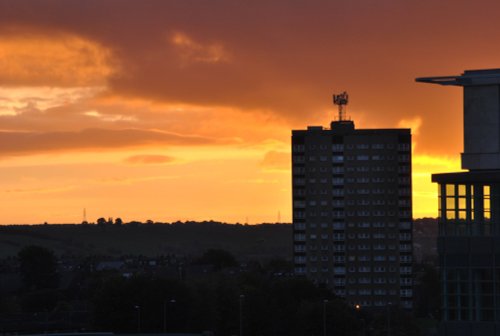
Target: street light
[358, 310]
[138, 309]
[324, 316]
[165, 313]
[389, 318]
[242, 297]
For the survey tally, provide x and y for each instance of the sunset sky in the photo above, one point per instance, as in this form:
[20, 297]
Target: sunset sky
[183, 109]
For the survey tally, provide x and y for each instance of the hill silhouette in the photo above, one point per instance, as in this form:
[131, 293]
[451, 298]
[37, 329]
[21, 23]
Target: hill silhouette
[263, 241]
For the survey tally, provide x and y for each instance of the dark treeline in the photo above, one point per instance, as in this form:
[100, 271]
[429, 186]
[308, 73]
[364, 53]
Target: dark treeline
[262, 299]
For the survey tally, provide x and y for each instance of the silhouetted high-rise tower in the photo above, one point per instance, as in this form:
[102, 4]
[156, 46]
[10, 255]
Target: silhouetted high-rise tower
[352, 210]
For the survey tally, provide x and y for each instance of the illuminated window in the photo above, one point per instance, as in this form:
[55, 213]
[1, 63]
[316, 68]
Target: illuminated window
[450, 190]
[450, 203]
[462, 203]
[461, 190]
[486, 201]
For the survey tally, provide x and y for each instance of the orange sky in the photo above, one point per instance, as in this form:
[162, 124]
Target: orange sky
[183, 109]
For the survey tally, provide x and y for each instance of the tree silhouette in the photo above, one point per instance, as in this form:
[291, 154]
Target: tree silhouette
[219, 259]
[101, 221]
[38, 267]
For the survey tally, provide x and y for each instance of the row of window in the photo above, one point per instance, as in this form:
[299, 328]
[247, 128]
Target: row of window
[338, 236]
[341, 181]
[336, 203]
[342, 158]
[361, 225]
[340, 192]
[342, 214]
[376, 280]
[336, 170]
[301, 237]
[363, 258]
[340, 147]
[368, 269]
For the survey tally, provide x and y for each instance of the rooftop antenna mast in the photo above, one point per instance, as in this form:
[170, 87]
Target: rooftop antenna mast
[341, 100]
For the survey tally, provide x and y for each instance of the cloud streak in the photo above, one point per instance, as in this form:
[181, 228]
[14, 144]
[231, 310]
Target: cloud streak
[149, 159]
[26, 143]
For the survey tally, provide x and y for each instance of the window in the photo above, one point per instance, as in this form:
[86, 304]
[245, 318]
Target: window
[339, 270]
[406, 292]
[300, 237]
[338, 203]
[337, 181]
[338, 158]
[338, 236]
[300, 270]
[299, 248]
[338, 170]
[338, 226]
[339, 259]
[403, 147]
[405, 270]
[486, 202]
[300, 226]
[337, 147]
[300, 260]
[298, 148]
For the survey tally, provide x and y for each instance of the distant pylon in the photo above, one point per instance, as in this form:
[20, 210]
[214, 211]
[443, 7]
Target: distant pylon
[279, 216]
[84, 215]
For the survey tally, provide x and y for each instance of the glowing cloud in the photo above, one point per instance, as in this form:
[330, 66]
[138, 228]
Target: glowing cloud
[149, 159]
[57, 59]
[192, 51]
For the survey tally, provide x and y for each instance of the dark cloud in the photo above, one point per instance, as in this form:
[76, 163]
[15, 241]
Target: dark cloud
[283, 57]
[25, 143]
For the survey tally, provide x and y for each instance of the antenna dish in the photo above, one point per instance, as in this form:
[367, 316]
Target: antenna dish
[341, 100]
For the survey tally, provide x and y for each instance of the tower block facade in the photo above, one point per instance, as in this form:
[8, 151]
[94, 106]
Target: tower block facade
[352, 211]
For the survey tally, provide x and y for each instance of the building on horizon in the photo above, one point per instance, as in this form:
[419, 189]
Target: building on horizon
[469, 213]
[352, 212]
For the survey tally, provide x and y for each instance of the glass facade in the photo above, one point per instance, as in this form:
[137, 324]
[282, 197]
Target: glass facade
[470, 267]
[464, 209]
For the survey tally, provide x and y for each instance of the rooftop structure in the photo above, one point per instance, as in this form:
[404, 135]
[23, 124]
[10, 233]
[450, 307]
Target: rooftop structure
[481, 116]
